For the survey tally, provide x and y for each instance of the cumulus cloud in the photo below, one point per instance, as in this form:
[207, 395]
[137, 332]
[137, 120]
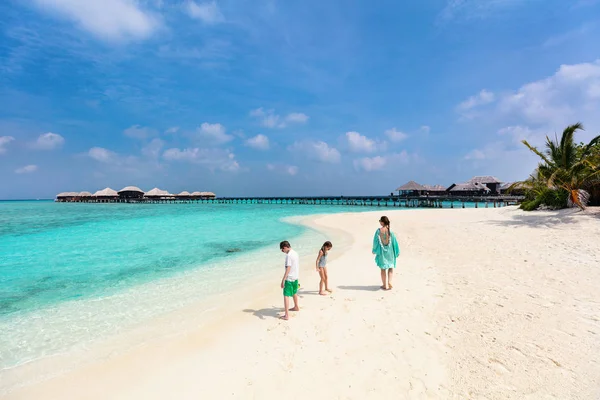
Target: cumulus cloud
[139, 132]
[318, 150]
[172, 130]
[213, 134]
[102, 155]
[389, 161]
[259, 142]
[153, 148]
[286, 169]
[395, 135]
[5, 140]
[482, 98]
[370, 163]
[359, 143]
[213, 159]
[110, 20]
[208, 13]
[28, 169]
[48, 141]
[269, 119]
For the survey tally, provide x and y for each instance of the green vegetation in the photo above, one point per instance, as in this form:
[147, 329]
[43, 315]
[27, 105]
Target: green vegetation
[568, 174]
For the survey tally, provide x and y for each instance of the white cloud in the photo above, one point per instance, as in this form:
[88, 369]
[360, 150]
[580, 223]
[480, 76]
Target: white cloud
[48, 141]
[386, 162]
[213, 133]
[102, 155]
[28, 169]
[270, 119]
[425, 129]
[476, 9]
[208, 13]
[482, 98]
[359, 143]
[139, 132]
[317, 150]
[286, 169]
[213, 159]
[476, 154]
[4, 140]
[259, 142]
[110, 20]
[395, 135]
[153, 148]
[172, 130]
[370, 163]
[297, 118]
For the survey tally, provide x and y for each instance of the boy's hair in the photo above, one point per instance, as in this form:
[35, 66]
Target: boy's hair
[284, 244]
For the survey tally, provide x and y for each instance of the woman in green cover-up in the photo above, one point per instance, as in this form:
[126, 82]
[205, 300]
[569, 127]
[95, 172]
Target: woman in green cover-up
[386, 250]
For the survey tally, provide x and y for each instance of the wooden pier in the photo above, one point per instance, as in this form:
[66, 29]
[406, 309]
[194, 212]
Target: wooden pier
[360, 201]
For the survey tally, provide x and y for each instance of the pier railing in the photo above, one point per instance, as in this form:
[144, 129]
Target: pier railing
[363, 201]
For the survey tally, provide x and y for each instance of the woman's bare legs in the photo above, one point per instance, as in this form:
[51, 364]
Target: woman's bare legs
[390, 276]
[383, 278]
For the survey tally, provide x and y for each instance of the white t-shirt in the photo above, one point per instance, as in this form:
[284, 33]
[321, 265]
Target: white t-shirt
[292, 260]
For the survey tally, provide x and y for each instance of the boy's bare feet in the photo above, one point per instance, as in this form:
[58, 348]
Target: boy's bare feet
[295, 309]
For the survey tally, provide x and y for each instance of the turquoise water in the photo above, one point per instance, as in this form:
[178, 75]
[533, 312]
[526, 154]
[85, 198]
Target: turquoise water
[70, 273]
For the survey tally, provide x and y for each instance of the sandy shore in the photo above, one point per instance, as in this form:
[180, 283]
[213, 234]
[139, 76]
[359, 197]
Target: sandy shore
[487, 304]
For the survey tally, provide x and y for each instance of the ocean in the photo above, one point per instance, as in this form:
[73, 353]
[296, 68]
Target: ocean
[73, 273]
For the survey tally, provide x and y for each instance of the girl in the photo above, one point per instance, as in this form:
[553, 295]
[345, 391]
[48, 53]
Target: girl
[322, 268]
[386, 250]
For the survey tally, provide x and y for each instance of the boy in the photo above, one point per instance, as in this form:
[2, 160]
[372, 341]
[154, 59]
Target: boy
[289, 283]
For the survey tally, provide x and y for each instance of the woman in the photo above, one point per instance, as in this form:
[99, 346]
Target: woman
[385, 248]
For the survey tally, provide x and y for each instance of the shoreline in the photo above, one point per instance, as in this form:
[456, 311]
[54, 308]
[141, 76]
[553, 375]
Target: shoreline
[486, 304]
[203, 311]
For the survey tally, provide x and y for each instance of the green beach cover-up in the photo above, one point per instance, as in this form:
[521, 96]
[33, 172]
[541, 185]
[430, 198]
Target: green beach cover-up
[385, 255]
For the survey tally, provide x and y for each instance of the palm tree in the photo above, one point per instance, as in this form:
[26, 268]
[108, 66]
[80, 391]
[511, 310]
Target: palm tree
[566, 167]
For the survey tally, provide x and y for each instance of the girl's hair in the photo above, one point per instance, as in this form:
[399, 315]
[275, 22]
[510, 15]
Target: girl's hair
[386, 222]
[325, 246]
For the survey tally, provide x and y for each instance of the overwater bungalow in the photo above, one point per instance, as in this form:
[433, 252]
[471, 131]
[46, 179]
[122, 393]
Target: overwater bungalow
[131, 192]
[517, 190]
[207, 195]
[436, 190]
[66, 196]
[183, 195]
[411, 188]
[491, 182]
[468, 189]
[105, 195]
[157, 193]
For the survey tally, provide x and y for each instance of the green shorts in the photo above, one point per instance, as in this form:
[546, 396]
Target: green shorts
[290, 288]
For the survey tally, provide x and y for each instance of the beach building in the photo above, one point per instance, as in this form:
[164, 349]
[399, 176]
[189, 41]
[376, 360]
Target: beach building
[105, 195]
[411, 188]
[468, 189]
[491, 182]
[157, 193]
[436, 190]
[131, 192]
[183, 195]
[67, 196]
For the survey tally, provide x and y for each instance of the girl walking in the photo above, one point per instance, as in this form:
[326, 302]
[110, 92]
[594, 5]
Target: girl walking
[322, 268]
[386, 250]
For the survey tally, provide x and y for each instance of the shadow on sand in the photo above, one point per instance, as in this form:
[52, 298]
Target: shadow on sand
[540, 219]
[264, 313]
[365, 288]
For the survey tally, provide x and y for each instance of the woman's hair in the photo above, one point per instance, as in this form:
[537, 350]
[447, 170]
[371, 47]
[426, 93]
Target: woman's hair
[325, 246]
[386, 222]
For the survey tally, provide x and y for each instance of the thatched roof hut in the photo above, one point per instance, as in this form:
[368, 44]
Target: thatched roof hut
[107, 192]
[184, 194]
[131, 192]
[207, 194]
[84, 194]
[156, 192]
[411, 186]
[484, 179]
[434, 188]
[64, 195]
[469, 187]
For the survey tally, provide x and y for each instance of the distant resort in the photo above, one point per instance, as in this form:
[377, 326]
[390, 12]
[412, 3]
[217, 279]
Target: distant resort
[479, 189]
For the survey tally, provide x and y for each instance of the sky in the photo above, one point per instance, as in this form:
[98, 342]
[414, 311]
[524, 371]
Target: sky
[284, 97]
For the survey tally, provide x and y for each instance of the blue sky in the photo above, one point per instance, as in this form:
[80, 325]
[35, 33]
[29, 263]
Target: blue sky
[273, 97]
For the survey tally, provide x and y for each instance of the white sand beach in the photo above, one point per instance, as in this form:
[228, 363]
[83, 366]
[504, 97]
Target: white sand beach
[487, 304]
